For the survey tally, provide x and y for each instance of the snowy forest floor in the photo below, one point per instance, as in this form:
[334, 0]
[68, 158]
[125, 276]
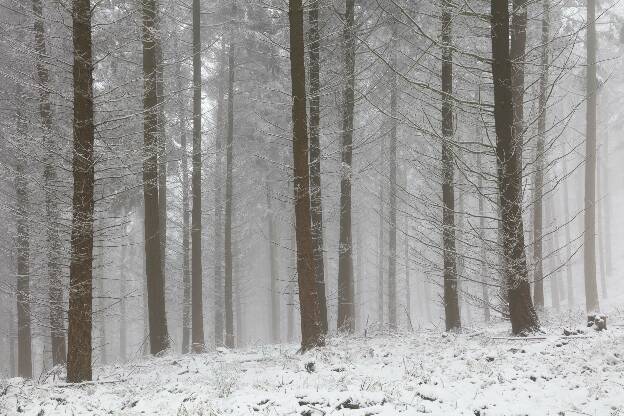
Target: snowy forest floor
[476, 372]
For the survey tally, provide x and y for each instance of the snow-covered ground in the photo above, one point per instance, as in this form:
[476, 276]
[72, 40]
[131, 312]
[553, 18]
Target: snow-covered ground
[429, 372]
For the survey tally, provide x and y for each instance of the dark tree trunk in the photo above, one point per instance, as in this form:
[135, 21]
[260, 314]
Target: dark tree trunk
[392, 248]
[311, 331]
[345, 245]
[274, 273]
[451, 299]
[55, 294]
[197, 337]
[162, 142]
[517, 54]
[24, 339]
[538, 274]
[158, 335]
[229, 313]
[315, 157]
[592, 303]
[521, 311]
[81, 262]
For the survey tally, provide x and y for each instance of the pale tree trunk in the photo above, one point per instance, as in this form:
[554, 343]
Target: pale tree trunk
[592, 303]
[315, 157]
[599, 214]
[451, 300]
[274, 272]
[55, 294]
[521, 311]
[345, 245]
[159, 337]
[229, 193]
[100, 305]
[485, 291]
[392, 248]
[197, 307]
[24, 338]
[380, 257]
[552, 245]
[568, 238]
[311, 331]
[123, 325]
[606, 200]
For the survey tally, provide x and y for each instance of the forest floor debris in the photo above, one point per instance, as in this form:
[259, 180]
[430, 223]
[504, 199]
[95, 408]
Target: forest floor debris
[416, 373]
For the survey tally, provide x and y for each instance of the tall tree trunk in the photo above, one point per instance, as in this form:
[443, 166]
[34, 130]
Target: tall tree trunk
[345, 245]
[311, 331]
[517, 54]
[55, 294]
[521, 311]
[229, 313]
[123, 325]
[553, 249]
[568, 238]
[274, 273]
[538, 274]
[451, 299]
[186, 272]
[100, 296]
[314, 42]
[606, 200]
[380, 257]
[392, 248]
[219, 289]
[81, 262]
[599, 219]
[162, 141]
[197, 337]
[485, 292]
[24, 338]
[159, 337]
[592, 303]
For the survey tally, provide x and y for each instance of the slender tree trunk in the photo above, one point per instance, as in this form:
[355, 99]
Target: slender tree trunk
[380, 258]
[229, 160]
[599, 219]
[568, 238]
[314, 42]
[100, 306]
[274, 273]
[392, 248]
[485, 292]
[345, 246]
[24, 339]
[219, 289]
[606, 200]
[80, 269]
[159, 337]
[553, 247]
[311, 331]
[197, 337]
[521, 311]
[538, 274]
[55, 294]
[592, 303]
[123, 325]
[451, 298]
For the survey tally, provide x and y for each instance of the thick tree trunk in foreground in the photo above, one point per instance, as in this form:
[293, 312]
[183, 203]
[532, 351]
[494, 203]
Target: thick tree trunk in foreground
[314, 42]
[24, 338]
[592, 303]
[229, 312]
[345, 245]
[81, 262]
[521, 311]
[311, 331]
[55, 294]
[197, 309]
[517, 54]
[451, 299]
[158, 335]
[392, 247]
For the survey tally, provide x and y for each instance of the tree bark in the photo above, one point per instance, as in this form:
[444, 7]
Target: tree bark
[274, 273]
[517, 54]
[392, 248]
[197, 336]
[568, 238]
[521, 311]
[380, 257]
[345, 245]
[80, 269]
[451, 298]
[311, 331]
[55, 293]
[314, 43]
[162, 141]
[229, 312]
[592, 303]
[158, 335]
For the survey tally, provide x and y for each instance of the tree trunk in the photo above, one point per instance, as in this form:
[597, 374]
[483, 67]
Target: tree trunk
[553, 249]
[392, 248]
[274, 273]
[159, 337]
[100, 296]
[517, 54]
[592, 303]
[451, 299]
[521, 311]
[197, 337]
[380, 257]
[123, 325]
[568, 238]
[81, 262]
[162, 141]
[485, 292]
[24, 339]
[219, 289]
[311, 331]
[55, 294]
[229, 312]
[345, 246]
[314, 42]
